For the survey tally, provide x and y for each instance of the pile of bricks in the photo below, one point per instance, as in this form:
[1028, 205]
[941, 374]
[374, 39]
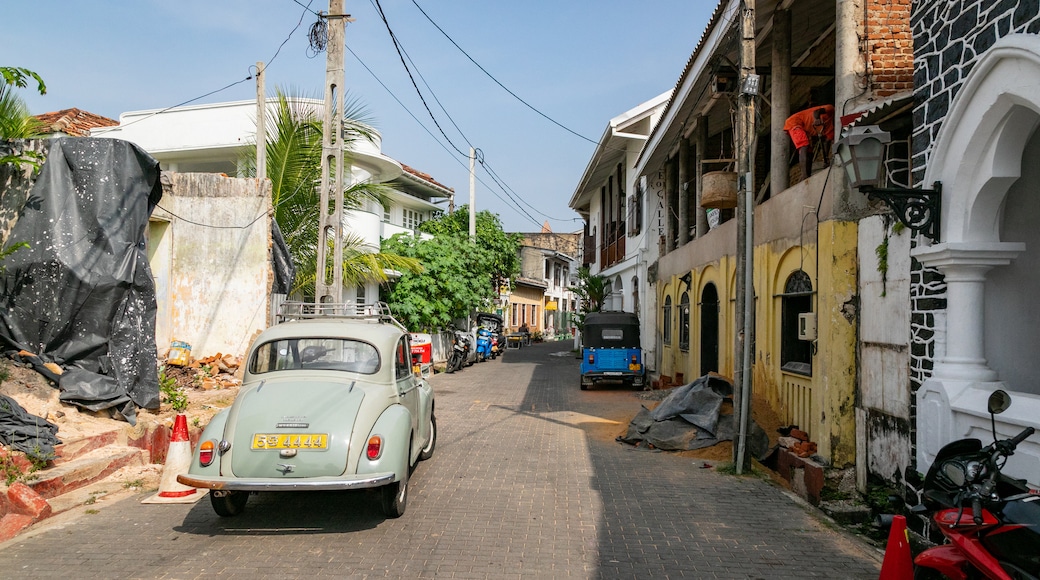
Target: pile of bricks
[797, 442]
[219, 371]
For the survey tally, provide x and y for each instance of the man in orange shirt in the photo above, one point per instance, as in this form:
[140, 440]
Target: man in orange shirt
[803, 126]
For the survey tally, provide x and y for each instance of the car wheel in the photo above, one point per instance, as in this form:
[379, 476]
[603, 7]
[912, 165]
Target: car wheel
[427, 451]
[230, 504]
[584, 386]
[395, 497]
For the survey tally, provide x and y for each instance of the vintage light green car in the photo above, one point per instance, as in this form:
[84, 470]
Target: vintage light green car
[329, 401]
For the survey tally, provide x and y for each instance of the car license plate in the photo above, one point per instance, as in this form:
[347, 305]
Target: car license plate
[613, 373]
[290, 441]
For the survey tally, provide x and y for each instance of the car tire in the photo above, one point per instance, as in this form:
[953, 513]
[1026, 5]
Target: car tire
[395, 497]
[231, 504]
[427, 451]
[584, 386]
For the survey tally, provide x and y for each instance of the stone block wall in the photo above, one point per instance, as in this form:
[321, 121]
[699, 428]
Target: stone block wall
[949, 39]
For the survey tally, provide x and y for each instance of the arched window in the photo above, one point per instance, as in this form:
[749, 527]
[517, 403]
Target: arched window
[795, 354]
[666, 310]
[684, 321]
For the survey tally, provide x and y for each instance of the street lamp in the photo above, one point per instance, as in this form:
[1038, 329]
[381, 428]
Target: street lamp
[862, 153]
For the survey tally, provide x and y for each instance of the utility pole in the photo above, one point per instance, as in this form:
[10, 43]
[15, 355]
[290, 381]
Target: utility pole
[261, 117]
[745, 307]
[472, 195]
[326, 290]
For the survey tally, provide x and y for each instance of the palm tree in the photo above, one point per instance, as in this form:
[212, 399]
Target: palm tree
[294, 150]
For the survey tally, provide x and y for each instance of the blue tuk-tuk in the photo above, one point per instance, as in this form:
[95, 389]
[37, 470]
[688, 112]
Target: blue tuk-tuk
[611, 351]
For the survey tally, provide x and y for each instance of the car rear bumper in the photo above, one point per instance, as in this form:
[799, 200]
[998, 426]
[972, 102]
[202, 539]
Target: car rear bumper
[286, 484]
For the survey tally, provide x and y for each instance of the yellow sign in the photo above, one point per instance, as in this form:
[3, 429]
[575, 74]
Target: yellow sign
[551, 305]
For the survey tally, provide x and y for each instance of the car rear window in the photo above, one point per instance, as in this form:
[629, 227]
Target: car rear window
[333, 354]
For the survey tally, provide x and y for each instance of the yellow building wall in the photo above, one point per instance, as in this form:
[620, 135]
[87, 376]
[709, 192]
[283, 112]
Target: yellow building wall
[823, 404]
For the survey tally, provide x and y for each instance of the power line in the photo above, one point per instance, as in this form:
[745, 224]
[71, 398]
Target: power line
[397, 47]
[248, 78]
[401, 53]
[432, 136]
[492, 77]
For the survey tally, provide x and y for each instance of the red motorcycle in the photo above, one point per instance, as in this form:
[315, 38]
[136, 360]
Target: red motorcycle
[991, 522]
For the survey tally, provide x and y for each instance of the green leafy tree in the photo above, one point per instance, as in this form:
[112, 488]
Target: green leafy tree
[591, 292]
[15, 120]
[504, 248]
[294, 151]
[459, 275]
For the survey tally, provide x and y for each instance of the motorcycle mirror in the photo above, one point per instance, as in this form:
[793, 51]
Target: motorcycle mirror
[999, 401]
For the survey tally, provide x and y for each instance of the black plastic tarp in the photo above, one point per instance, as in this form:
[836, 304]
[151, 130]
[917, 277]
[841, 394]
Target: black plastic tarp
[26, 432]
[281, 262]
[81, 295]
[690, 418]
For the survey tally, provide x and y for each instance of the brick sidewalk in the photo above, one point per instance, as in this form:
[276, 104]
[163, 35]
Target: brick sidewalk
[525, 483]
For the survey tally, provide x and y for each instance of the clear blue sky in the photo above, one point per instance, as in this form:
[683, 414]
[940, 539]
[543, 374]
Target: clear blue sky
[580, 62]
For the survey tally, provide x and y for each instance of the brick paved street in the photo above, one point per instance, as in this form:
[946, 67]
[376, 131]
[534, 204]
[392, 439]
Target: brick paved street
[526, 482]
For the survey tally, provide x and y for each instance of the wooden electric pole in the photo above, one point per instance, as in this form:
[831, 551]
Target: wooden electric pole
[745, 307]
[261, 117]
[331, 225]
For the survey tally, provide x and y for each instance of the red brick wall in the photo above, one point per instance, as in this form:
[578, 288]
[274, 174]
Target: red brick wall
[890, 46]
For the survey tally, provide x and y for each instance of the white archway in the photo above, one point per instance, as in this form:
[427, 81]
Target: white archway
[977, 157]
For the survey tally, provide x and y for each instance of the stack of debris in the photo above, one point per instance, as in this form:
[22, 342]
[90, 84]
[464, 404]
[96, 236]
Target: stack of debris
[796, 441]
[220, 371]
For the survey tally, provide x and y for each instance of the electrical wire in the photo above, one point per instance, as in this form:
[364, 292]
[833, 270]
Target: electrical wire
[505, 88]
[403, 56]
[425, 128]
[211, 226]
[397, 47]
[248, 78]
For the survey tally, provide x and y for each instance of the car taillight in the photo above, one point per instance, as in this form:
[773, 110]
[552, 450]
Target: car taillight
[592, 358]
[635, 359]
[375, 447]
[206, 452]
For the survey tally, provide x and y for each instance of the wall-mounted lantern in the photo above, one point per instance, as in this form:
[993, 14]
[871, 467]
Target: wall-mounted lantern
[862, 153]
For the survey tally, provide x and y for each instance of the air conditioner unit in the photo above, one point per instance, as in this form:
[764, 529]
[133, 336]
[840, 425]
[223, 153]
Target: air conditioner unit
[807, 326]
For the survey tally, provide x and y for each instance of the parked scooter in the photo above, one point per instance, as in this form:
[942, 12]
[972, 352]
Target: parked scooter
[991, 521]
[460, 349]
[483, 344]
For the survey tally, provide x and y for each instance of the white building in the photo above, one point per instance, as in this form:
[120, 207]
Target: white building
[212, 138]
[623, 224]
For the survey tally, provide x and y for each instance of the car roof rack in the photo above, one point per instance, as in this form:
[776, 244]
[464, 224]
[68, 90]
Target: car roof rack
[376, 311]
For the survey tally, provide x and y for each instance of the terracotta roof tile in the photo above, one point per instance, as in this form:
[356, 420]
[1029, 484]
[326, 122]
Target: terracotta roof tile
[74, 122]
[424, 177]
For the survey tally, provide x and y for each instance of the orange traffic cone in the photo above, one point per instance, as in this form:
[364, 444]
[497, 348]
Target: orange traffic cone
[178, 460]
[898, 563]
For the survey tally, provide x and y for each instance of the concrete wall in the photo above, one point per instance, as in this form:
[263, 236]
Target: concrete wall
[210, 250]
[883, 417]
